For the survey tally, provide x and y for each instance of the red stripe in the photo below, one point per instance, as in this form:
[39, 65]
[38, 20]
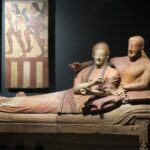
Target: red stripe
[33, 74]
[8, 74]
[45, 73]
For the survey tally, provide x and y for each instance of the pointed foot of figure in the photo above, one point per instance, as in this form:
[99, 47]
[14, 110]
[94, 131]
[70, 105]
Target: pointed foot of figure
[20, 94]
[23, 55]
[43, 54]
[29, 48]
[9, 52]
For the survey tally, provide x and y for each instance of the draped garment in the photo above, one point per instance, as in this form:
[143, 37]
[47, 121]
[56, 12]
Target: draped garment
[62, 101]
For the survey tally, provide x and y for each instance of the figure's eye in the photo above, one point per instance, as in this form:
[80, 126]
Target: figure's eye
[101, 56]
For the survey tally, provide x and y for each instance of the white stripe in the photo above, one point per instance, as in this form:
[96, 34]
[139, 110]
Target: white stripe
[26, 74]
[39, 74]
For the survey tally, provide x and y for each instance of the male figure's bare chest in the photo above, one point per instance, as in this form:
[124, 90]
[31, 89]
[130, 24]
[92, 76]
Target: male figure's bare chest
[131, 69]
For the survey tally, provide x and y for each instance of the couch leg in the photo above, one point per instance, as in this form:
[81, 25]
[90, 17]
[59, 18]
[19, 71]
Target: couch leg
[144, 146]
[144, 135]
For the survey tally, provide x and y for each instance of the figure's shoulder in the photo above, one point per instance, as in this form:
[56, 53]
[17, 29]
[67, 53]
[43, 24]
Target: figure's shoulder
[144, 61]
[113, 71]
[147, 62]
[85, 70]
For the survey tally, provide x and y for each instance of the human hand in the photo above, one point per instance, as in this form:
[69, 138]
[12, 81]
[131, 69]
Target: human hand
[85, 91]
[75, 66]
[120, 92]
[98, 81]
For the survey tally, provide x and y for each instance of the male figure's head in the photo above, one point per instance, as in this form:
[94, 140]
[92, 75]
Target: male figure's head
[135, 47]
[14, 9]
[35, 7]
[100, 53]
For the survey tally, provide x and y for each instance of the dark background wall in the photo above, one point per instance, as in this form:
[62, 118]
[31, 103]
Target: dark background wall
[76, 25]
[82, 23]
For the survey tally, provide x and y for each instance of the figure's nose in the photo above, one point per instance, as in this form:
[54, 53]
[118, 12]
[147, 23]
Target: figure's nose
[130, 51]
[98, 57]
[130, 48]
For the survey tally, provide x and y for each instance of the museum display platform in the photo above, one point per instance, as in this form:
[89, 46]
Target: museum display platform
[128, 120]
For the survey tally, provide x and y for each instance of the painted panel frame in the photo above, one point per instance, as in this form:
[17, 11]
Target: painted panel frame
[26, 44]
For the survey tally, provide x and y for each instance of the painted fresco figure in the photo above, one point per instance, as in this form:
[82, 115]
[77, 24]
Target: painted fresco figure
[35, 26]
[15, 20]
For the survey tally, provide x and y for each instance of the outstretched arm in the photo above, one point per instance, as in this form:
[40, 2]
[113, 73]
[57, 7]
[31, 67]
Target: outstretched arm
[77, 66]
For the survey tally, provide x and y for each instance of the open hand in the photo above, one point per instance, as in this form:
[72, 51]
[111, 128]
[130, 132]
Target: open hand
[75, 66]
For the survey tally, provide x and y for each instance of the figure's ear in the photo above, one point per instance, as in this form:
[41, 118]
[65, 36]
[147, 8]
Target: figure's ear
[144, 54]
[107, 57]
[142, 47]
